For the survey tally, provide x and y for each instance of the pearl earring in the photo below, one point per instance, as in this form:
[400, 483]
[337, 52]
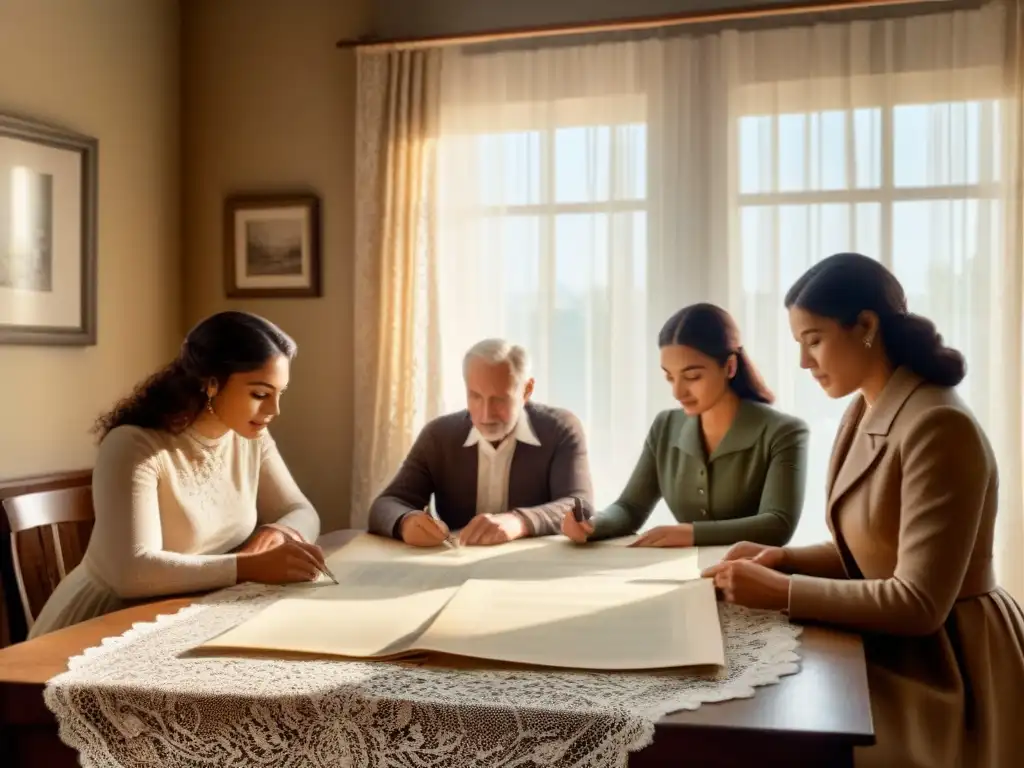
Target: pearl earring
[867, 343]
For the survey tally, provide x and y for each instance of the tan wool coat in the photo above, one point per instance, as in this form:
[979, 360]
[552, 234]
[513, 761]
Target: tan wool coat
[912, 502]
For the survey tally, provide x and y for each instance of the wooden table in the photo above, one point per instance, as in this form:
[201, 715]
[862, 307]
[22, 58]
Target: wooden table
[815, 717]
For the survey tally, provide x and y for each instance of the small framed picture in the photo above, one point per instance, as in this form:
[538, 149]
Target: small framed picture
[272, 246]
[48, 197]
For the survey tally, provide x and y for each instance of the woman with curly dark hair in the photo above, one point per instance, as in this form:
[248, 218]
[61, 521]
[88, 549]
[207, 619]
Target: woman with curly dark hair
[190, 492]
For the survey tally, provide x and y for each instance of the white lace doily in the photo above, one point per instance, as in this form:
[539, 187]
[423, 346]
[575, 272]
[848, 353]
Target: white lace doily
[138, 701]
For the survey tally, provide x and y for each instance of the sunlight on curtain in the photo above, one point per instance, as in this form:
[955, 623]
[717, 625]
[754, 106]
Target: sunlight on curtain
[543, 231]
[897, 139]
[588, 191]
[395, 349]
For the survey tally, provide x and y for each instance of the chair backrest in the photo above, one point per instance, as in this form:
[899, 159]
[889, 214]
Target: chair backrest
[49, 531]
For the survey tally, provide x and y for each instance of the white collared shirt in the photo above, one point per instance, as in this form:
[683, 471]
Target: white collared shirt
[495, 465]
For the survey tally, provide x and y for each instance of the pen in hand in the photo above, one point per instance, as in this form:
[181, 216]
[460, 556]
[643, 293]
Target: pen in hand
[577, 509]
[449, 540]
[327, 572]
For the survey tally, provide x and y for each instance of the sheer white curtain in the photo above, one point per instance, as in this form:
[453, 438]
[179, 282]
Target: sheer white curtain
[587, 191]
[899, 139]
[543, 230]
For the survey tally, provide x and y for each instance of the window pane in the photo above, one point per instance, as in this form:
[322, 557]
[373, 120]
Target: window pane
[756, 156]
[630, 161]
[867, 147]
[594, 355]
[815, 151]
[780, 242]
[509, 168]
[951, 143]
[948, 255]
[582, 164]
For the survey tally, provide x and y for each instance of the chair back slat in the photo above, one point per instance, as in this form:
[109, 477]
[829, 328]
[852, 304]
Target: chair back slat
[49, 533]
[67, 505]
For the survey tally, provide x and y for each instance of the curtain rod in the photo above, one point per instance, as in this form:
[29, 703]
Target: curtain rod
[623, 25]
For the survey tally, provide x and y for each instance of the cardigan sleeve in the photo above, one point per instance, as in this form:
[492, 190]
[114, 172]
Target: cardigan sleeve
[279, 499]
[638, 499]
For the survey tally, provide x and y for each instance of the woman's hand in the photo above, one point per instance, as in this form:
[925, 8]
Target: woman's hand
[267, 537]
[667, 536]
[762, 554]
[574, 530]
[745, 582]
[289, 562]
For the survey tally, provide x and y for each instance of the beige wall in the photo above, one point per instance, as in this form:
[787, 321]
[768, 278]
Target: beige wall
[110, 69]
[268, 104]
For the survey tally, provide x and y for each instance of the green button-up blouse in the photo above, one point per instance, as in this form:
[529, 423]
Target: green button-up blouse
[751, 487]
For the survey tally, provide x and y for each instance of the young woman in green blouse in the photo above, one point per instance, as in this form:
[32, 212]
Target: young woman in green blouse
[729, 467]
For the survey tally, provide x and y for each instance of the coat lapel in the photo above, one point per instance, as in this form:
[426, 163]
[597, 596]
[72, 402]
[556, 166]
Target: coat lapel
[860, 456]
[841, 445]
[854, 454]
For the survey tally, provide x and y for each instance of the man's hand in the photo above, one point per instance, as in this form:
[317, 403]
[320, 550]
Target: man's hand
[421, 529]
[487, 530]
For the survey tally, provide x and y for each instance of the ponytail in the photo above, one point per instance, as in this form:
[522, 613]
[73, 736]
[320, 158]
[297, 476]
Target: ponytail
[747, 383]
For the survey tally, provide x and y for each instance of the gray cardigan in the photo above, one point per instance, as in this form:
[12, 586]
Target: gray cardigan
[542, 479]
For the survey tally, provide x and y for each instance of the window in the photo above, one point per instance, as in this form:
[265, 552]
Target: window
[916, 185]
[545, 235]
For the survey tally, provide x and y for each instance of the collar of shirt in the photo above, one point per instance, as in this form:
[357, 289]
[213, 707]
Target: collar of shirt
[522, 433]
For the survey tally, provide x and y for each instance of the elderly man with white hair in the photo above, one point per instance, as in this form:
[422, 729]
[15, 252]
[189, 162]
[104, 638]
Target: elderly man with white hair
[502, 469]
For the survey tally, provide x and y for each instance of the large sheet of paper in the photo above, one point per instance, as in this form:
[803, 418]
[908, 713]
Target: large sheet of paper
[352, 620]
[583, 623]
[543, 601]
[535, 558]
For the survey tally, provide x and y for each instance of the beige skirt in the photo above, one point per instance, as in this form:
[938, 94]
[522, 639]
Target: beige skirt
[954, 699]
[80, 596]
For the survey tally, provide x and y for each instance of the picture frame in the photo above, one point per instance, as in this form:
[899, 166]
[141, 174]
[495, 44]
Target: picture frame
[48, 234]
[272, 246]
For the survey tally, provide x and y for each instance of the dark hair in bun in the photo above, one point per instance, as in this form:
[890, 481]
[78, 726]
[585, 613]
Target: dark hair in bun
[842, 286]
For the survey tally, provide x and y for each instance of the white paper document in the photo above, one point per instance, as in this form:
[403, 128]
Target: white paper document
[542, 601]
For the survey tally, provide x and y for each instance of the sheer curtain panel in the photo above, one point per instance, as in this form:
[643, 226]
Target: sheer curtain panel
[396, 381]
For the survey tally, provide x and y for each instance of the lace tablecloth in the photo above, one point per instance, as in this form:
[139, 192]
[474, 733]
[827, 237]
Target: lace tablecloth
[141, 700]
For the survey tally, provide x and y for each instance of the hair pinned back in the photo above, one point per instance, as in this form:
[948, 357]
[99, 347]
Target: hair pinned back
[712, 331]
[221, 345]
[844, 285]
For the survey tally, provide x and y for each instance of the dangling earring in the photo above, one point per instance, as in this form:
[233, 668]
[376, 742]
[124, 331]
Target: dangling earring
[867, 342]
[209, 405]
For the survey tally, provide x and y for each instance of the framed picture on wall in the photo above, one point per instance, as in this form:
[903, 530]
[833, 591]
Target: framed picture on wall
[272, 246]
[48, 198]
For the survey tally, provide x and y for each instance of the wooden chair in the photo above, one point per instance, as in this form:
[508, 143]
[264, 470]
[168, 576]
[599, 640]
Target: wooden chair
[49, 531]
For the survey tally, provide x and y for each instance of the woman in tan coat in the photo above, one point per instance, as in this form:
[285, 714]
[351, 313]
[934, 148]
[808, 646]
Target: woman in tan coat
[912, 501]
